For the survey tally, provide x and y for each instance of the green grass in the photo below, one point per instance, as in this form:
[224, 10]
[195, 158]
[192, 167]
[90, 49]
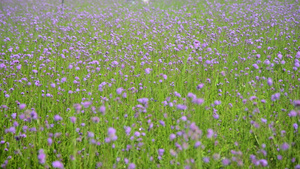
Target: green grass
[90, 28]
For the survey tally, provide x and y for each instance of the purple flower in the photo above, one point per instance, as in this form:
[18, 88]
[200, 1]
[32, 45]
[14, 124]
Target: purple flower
[200, 86]
[183, 118]
[22, 106]
[119, 90]
[255, 66]
[295, 125]
[196, 44]
[77, 107]
[127, 130]
[90, 134]
[2, 65]
[210, 133]
[143, 100]
[42, 156]
[297, 103]
[181, 107]
[270, 81]
[64, 79]
[124, 95]
[297, 55]
[161, 152]
[225, 162]
[172, 137]
[177, 94]
[57, 118]
[10, 130]
[267, 62]
[263, 162]
[57, 164]
[206, 159]
[198, 101]
[162, 123]
[95, 119]
[173, 153]
[197, 144]
[285, 146]
[14, 115]
[217, 102]
[275, 97]
[112, 134]
[191, 95]
[131, 166]
[147, 70]
[102, 109]
[52, 85]
[263, 120]
[137, 134]
[73, 119]
[216, 115]
[86, 104]
[50, 141]
[293, 113]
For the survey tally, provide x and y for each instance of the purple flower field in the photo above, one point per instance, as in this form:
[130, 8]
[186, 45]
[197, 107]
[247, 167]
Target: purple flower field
[170, 84]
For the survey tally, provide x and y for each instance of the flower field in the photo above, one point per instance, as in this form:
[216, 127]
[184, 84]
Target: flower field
[171, 84]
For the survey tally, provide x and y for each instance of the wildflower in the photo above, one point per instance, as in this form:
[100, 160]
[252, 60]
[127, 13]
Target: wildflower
[206, 159]
[91, 134]
[172, 137]
[147, 70]
[270, 81]
[57, 118]
[263, 162]
[42, 156]
[22, 106]
[191, 95]
[73, 119]
[181, 107]
[198, 101]
[263, 120]
[197, 144]
[217, 102]
[161, 152]
[131, 166]
[95, 119]
[102, 109]
[285, 146]
[143, 100]
[112, 134]
[297, 103]
[50, 141]
[275, 97]
[173, 152]
[200, 86]
[119, 90]
[87, 104]
[293, 113]
[57, 164]
[210, 133]
[225, 162]
[255, 66]
[196, 44]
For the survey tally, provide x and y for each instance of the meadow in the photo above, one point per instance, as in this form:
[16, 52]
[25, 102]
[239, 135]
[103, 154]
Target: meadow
[174, 84]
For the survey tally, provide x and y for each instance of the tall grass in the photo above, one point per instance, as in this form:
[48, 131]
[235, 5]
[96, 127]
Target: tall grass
[176, 84]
